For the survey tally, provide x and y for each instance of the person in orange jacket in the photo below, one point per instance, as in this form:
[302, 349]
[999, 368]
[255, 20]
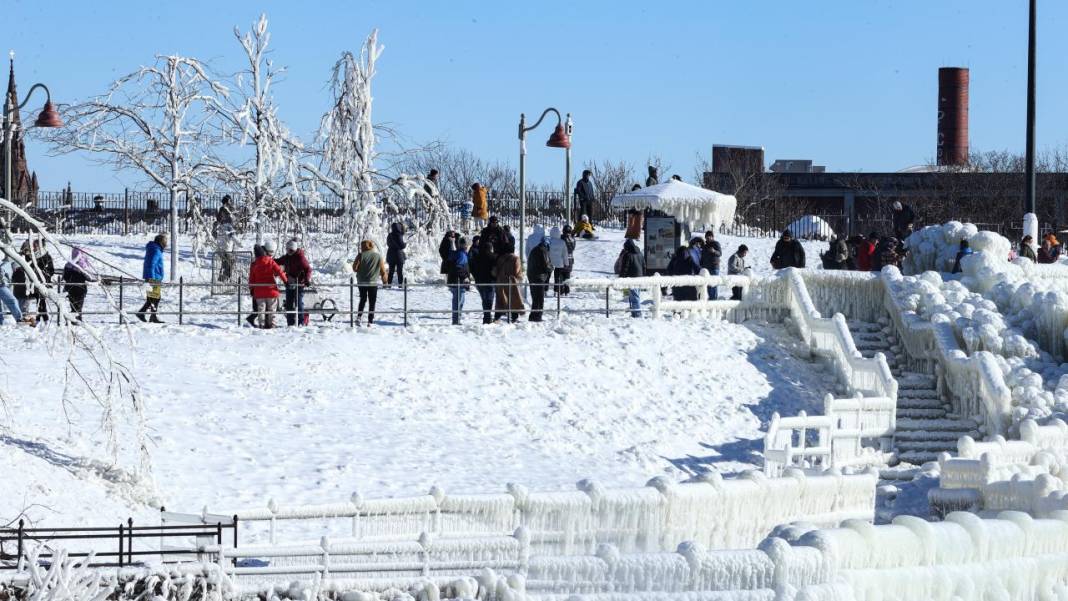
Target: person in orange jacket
[262, 286]
[480, 211]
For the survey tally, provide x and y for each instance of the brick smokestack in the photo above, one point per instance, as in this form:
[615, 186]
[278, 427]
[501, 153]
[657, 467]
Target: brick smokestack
[952, 116]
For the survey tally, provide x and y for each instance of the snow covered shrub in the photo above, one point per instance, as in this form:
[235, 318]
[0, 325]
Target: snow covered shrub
[934, 248]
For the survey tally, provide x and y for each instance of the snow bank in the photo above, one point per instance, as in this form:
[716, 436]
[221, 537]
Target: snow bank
[810, 227]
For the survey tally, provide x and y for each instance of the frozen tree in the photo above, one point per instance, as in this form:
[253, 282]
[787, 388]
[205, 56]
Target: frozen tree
[250, 117]
[344, 159]
[155, 121]
[87, 358]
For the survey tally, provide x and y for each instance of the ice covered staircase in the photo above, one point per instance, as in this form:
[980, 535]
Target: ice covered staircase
[925, 426]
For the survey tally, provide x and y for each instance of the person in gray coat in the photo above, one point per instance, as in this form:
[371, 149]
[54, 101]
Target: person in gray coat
[736, 265]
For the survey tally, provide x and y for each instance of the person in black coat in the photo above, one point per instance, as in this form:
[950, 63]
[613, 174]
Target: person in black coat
[904, 218]
[632, 265]
[685, 263]
[493, 233]
[483, 260]
[444, 249]
[395, 255]
[710, 256]
[21, 284]
[539, 270]
[788, 252]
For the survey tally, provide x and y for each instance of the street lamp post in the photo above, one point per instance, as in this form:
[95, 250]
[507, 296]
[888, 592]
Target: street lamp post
[567, 171]
[1030, 151]
[559, 139]
[48, 118]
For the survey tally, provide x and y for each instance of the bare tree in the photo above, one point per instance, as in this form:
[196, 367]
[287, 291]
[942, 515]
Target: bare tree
[154, 121]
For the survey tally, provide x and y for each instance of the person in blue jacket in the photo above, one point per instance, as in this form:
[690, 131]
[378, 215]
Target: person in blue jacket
[152, 273]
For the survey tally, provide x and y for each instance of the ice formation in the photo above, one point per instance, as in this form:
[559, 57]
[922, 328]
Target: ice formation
[934, 248]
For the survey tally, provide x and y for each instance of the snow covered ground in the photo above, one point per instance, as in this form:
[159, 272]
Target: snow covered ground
[239, 416]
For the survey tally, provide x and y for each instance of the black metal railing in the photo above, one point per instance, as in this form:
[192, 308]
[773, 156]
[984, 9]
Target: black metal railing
[110, 546]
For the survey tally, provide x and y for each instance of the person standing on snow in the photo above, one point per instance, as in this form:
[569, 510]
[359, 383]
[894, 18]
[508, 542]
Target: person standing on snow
[837, 254]
[904, 218]
[788, 252]
[7, 296]
[568, 236]
[76, 275]
[539, 270]
[264, 288]
[483, 262]
[225, 244]
[866, 253]
[535, 238]
[711, 252]
[479, 205]
[298, 277]
[509, 274]
[459, 274]
[632, 265]
[152, 273]
[585, 193]
[369, 268]
[1027, 248]
[432, 188]
[395, 254]
[558, 257]
[736, 265]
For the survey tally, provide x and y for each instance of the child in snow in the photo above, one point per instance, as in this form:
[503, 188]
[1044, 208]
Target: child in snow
[152, 272]
[584, 229]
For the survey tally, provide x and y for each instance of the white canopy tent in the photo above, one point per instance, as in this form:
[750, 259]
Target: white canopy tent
[696, 206]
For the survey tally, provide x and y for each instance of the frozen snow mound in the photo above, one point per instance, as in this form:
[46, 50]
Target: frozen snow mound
[934, 248]
[811, 227]
[697, 206]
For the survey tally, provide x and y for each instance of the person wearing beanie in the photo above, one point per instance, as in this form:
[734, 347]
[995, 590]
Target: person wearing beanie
[269, 248]
[788, 252]
[298, 277]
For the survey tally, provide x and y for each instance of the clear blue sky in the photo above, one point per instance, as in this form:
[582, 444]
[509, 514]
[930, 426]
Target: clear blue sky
[850, 84]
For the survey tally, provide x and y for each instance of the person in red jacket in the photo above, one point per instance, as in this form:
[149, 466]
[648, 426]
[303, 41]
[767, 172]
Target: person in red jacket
[261, 283]
[298, 276]
[866, 252]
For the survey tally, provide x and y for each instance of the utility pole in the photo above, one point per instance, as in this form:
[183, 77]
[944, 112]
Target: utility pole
[1030, 156]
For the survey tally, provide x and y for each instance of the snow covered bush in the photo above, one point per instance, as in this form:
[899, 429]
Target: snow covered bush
[934, 248]
[980, 324]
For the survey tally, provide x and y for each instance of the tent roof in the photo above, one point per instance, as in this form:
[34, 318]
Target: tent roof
[668, 194]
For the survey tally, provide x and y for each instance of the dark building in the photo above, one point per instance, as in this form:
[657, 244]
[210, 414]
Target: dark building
[24, 182]
[859, 202]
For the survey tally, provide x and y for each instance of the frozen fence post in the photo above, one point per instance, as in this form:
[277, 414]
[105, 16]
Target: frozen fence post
[181, 298]
[352, 314]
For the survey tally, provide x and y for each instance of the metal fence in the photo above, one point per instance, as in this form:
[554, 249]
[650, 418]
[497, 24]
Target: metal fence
[120, 299]
[114, 546]
[134, 212]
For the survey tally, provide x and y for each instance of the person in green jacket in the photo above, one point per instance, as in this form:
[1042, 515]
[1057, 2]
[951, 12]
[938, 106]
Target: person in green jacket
[370, 268]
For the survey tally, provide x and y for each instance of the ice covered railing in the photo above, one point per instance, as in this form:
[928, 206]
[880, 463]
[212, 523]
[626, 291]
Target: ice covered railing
[839, 435]
[347, 558]
[1004, 474]
[835, 439]
[975, 383]
[717, 512]
[754, 306]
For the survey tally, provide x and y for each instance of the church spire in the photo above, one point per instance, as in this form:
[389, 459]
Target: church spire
[22, 182]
